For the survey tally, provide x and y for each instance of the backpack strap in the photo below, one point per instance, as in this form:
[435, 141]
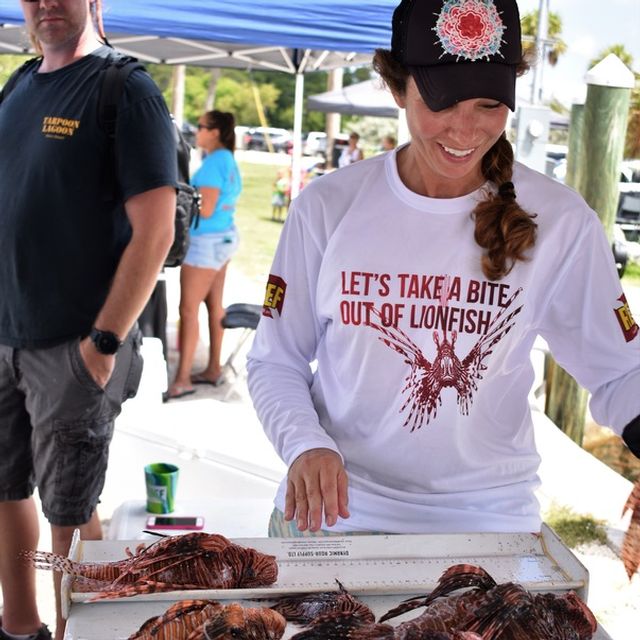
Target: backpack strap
[114, 76]
[12, 81]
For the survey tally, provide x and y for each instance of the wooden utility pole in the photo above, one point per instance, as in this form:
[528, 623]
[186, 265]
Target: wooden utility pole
[596, 143]
[211, 90]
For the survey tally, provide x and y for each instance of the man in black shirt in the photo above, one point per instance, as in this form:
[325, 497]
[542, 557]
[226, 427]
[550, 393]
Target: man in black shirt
[76, 268]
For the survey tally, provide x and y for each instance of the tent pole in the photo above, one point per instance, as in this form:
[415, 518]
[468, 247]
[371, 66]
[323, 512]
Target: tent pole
[334, 120]
[296, 161]
[177, 97]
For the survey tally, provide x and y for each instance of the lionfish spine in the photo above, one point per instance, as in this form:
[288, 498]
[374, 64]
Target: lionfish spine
[56, 562]
[631, 543]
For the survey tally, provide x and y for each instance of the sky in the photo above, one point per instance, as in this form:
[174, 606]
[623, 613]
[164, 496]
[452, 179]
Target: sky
[588, 27]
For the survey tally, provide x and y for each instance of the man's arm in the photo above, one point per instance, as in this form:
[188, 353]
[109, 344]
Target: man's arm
[151, 215]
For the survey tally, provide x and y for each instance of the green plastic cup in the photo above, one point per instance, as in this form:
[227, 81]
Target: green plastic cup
[161, 479]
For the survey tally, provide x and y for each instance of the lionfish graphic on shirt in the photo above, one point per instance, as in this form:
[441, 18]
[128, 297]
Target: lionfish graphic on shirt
[426, 380]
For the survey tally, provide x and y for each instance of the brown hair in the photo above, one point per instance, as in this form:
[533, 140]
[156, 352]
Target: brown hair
[503, 229]
[225, 123]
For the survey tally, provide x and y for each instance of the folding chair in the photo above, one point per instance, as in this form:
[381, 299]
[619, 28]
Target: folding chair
[243, 316]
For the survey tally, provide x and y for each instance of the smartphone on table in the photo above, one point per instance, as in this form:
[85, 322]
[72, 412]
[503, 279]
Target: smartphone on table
[175, 522]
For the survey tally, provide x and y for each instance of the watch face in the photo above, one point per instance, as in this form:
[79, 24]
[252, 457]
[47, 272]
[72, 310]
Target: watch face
[105, 341]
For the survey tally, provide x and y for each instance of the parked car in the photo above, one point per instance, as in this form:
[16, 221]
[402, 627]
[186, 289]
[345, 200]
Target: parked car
[620, 250]
[256, 139]
[315, 144]
[240, 131]
[556, 161]
[628, 213]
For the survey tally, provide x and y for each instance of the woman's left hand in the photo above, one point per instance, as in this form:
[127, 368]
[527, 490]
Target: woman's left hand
[317, 482]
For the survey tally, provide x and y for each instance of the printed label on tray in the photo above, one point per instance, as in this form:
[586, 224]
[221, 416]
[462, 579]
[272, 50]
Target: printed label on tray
[317, 549]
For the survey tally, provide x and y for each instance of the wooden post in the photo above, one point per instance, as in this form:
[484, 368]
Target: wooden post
[593, 167]
[576, 128]
[210, 100]
[606, 111]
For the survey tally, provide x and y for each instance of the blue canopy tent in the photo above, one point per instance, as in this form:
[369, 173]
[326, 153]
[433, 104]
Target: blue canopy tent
[294, 36]
[239, 34]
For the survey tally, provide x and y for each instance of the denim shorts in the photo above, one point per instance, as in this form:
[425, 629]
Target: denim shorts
[212, 250]
[56, 424]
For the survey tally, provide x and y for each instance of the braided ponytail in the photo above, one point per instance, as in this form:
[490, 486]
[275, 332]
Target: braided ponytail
[503, 229]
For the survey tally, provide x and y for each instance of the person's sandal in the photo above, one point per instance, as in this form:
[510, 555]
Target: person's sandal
[43, 633]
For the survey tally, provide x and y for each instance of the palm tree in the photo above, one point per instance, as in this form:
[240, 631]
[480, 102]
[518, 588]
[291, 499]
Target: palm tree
[617, 49]
[529, 26]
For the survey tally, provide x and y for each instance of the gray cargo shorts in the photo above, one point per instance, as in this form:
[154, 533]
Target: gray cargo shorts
[56, 424]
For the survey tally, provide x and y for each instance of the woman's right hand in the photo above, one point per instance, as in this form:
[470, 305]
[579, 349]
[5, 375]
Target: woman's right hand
[316, 482]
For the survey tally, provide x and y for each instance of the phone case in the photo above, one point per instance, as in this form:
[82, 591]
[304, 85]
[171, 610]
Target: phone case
[180, 527]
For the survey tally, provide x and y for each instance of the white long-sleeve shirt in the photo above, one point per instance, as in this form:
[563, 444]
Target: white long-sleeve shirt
[423, 368]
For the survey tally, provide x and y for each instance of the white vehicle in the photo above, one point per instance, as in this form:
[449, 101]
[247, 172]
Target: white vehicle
[315, 143]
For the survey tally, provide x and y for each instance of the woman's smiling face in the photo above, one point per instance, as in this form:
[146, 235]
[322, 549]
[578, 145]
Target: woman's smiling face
[447, 146]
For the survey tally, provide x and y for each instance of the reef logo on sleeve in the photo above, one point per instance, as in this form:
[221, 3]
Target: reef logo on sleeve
[274, 296]
[628, 325]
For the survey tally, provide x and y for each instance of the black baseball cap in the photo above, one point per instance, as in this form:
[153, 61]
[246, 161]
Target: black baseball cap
[459, 49]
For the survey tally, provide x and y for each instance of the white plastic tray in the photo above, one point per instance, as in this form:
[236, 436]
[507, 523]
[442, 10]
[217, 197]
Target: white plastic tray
[119, 621]
[385, 564]
[380, 569]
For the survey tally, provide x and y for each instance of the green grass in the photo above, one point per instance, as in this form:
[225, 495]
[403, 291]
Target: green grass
[632, 274]
[574, 528]
[258, 233]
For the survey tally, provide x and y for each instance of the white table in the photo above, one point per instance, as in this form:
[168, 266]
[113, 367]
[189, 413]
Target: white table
[237, 518]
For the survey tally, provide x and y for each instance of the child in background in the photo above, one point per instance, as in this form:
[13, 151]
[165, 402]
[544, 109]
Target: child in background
[280, 197]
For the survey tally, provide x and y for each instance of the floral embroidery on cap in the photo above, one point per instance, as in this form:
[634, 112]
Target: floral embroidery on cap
[470, 29]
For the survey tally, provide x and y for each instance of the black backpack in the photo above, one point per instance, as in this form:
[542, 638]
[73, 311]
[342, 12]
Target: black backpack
[115, 74]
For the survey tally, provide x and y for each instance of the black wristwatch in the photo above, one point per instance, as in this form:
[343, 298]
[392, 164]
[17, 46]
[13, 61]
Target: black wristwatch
[106, 342]
[631, 436]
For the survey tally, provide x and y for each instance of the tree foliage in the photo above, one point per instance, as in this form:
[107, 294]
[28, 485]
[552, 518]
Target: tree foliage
[234, 91]
[8, 63]
[618, 50]
[529, 26]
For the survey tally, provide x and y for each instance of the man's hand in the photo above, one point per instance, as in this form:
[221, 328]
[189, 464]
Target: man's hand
[317, 482]
[100, 366]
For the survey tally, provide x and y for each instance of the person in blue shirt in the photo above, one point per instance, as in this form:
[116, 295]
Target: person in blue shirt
[212, 244]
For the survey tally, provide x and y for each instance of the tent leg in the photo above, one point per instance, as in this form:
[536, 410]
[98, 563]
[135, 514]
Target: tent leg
[296, 161]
